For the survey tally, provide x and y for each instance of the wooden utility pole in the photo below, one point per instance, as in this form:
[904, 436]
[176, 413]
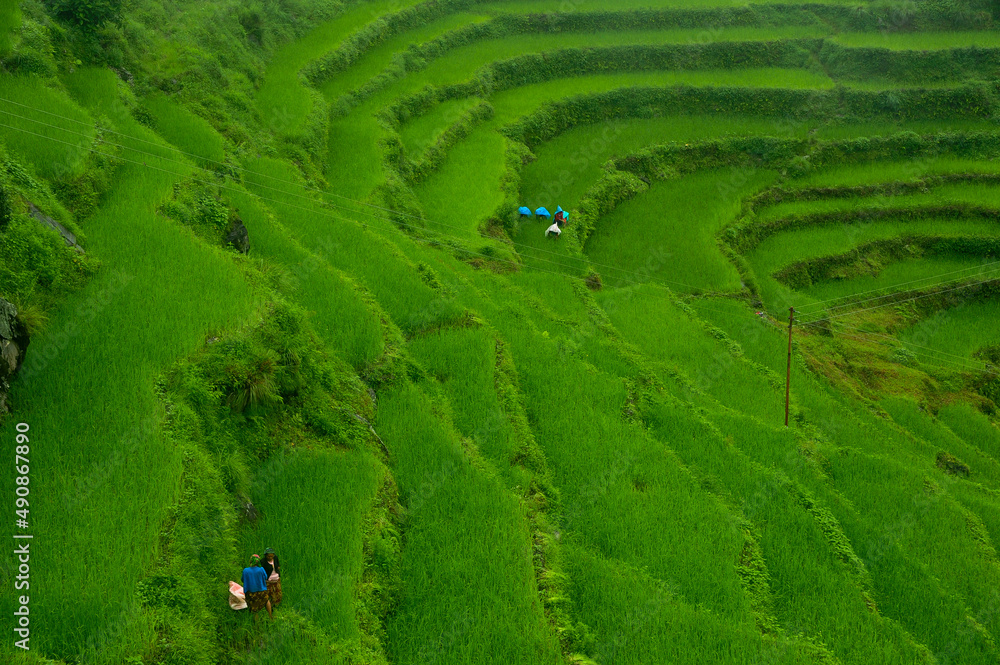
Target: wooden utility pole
[788, 376]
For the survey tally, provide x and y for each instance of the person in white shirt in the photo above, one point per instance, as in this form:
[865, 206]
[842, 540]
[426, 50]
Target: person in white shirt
[554, 229]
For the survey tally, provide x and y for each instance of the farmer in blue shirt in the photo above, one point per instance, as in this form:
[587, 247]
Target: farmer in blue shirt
[255, 586]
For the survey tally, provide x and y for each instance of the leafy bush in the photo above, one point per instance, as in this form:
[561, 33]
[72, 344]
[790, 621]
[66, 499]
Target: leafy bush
[87, 14]
[34, 53]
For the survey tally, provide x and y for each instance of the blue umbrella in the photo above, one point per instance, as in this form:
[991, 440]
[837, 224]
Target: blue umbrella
[542, 212]
[524, 210]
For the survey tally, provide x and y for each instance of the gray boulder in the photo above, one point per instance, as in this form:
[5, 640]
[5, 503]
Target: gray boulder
[68, 237]
[13, 346]
[239, 237]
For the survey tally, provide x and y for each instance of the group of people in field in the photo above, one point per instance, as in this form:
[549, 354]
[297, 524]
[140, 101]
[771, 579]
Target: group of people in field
[559, 220]
[261, 585]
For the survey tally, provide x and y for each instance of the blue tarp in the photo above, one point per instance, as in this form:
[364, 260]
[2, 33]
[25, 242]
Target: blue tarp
[542, 212]
[558, 209]
[524, 210]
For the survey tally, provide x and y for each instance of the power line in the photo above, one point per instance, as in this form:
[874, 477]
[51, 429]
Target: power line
[932, 364]
[319, 210]
[933, 361]
[897, 340]
[896, 286]
[906, 300]
[305, 188]
[339, 218]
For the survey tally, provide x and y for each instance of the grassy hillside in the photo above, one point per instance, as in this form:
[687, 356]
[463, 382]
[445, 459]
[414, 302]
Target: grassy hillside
[469, 442]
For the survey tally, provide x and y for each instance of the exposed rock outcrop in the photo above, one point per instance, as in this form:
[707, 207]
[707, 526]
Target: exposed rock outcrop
[13, 346]
[239, 237]
[68, 237]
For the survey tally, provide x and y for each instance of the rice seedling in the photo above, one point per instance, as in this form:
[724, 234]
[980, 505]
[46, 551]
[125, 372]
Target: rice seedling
[982, 194]
[56, 140]
[570, 163]
[466, 540]
[454, 199]
[888, 126]
[877, 171]
[378, 58]
[347, 243]
[785, 248]
[283, 98]
[422, 131]
[922, 271]
[647, 410]
[191, 134]
[963, 330]
[679, 219]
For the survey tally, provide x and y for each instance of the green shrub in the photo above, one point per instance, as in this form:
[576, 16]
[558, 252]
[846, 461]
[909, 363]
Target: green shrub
[87, 14]
[34, 52]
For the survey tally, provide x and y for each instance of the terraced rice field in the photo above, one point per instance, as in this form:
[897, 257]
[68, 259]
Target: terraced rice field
[472, 443]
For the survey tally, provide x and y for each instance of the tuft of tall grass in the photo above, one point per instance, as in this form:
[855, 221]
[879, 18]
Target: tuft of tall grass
[283, 98]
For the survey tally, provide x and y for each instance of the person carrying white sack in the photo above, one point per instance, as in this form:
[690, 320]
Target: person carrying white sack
[554, 229]
[237, 600]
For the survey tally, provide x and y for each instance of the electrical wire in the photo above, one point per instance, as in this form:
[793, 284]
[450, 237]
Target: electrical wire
[905, 343]
[993, 278]
[326, 213]
[894, 286]
[307, 188]
[320, 211]
[950, 365]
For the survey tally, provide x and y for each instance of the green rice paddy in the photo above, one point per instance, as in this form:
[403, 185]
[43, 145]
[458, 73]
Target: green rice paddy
[470, 443]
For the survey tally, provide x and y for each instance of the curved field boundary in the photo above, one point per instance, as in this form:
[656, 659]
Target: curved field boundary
[973, 145]
[789, 104]
[871, 257]
[545, 66]
[320, 69]
[556, 117]
[711, 21]
[866, 63]
[630, 175]
[781, 194]
[745, 237]
[536, 68]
